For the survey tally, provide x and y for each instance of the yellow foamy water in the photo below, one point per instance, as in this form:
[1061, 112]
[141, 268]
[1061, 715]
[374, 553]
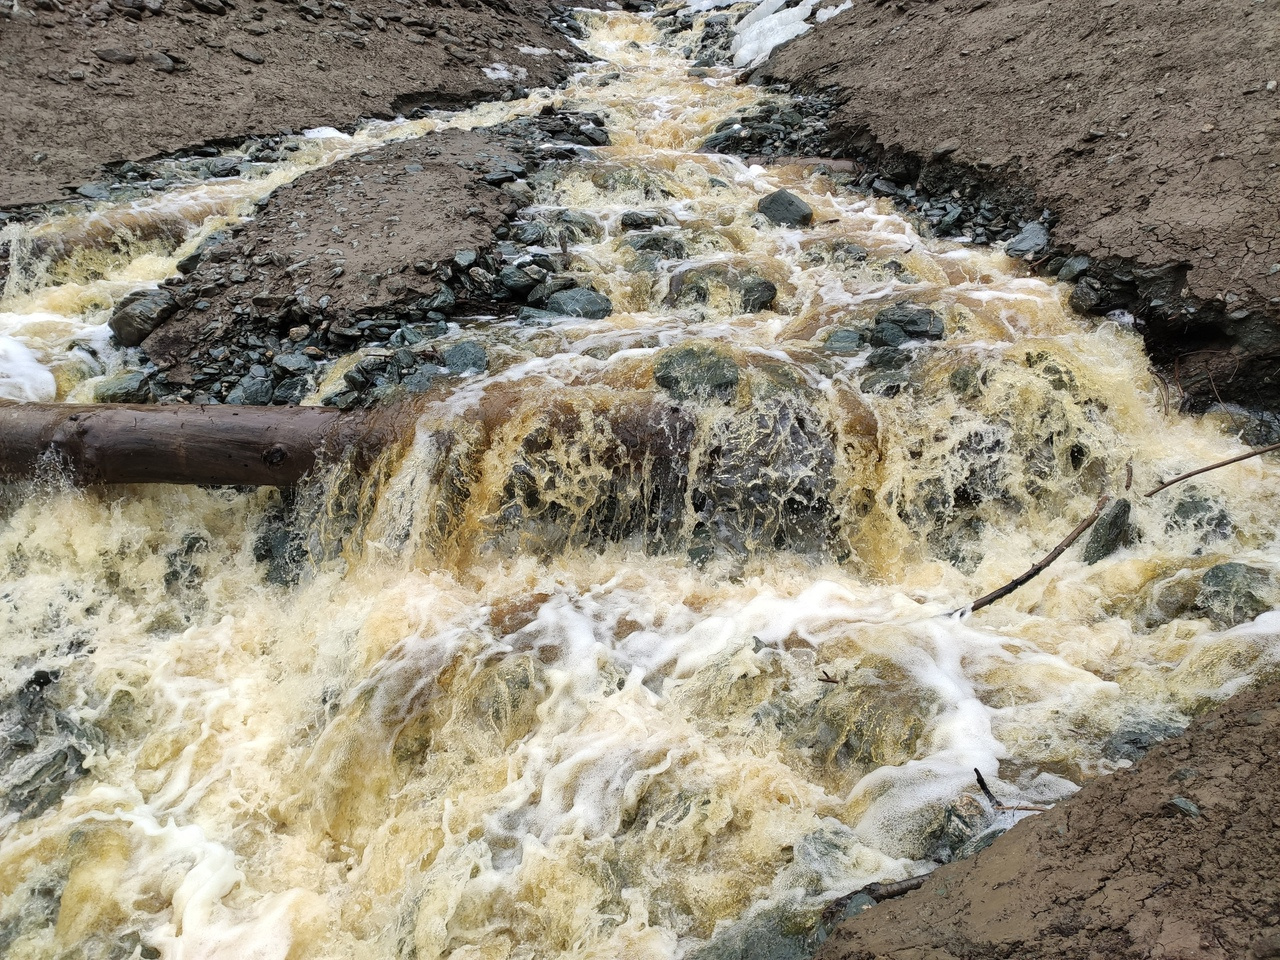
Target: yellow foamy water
[588, 671]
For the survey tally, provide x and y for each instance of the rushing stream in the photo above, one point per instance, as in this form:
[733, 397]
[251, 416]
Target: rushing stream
[597, 667]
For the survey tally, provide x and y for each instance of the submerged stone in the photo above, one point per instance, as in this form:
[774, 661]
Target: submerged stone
[786, 209]
[757, 294]
[697, 372]
[665, 245]
[847, 341]
[1233, 593]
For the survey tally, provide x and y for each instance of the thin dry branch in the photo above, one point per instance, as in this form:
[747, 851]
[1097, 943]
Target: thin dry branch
[1213, 466]
[1040, 567]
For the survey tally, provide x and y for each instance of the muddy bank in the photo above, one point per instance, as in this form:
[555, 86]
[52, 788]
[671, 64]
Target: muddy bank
[1176, 857]
[93, 83]
[1149, 133]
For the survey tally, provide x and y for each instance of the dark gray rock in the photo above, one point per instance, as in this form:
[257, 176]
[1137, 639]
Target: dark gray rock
[466, 357]
[255, 388]
[887, 358]
[665, 245]
[115, 55]
[130, 387]
[95, 191]
[533, 317]
[580, 302]
[888, 335]
[140, 313]
[1233, 593]
[846, 342]
[1073, 267]
[786, 209]
[247, 53]
[642, 220]
[291, 390]
[421, 379]
[757, 294]
[1110, 532]
[294, 364]
[517, 281]
[1032, 240]
[917, 322]
[697, 372]
[531, 234]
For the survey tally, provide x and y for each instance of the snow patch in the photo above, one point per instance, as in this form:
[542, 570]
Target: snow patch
[774, 22]
[534, 51]
[505, 71]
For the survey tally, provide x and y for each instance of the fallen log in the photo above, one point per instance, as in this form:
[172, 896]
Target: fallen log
[215, 445]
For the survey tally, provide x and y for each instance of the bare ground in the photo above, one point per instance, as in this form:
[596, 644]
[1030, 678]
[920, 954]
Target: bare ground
[88, 83]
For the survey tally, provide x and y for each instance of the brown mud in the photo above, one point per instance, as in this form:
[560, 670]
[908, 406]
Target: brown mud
[1151, 132]
[87, 84]
[1177, 857]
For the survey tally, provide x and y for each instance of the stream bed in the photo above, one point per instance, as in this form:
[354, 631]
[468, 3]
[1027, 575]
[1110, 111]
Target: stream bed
[644, 644]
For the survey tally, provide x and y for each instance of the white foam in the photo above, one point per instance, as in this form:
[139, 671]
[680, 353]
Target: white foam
[22, 376]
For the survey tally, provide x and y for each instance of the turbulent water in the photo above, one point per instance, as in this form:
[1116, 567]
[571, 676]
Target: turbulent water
[589, 669]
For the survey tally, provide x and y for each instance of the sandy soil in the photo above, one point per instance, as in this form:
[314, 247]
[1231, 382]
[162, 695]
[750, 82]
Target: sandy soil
[91, 82]
[1150, 130]
[1177, 858]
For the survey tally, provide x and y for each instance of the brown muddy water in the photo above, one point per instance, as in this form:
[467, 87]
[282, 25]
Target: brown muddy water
[591, 668]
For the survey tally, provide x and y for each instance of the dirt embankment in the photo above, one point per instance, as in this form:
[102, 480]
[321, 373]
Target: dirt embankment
[1151, 131]
[92, 82]
[1177, 858]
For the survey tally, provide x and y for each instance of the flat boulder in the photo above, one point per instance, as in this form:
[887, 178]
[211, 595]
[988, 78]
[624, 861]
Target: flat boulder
[580, 302]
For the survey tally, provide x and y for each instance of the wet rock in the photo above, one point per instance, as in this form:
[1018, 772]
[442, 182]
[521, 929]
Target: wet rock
[1233, 593]
[697, 372]
[294, 364]
[888, 335]
[42, 749]
[917, 322]
[130, 387]
[846, 342]
[580, 302]
[255, 388]
[777, 933]
[665, 245]
[517, 281]
[1073, 267]
[533, 317]
[140, 313]
[887, 358]
[95, 191]
[1110, 531]
[642, 220]
[466, 357]
[1133, 741]
[1032, 240]
[531, 234]
[786, 209]
[1211, 521]
[291, 390]
[757, 294]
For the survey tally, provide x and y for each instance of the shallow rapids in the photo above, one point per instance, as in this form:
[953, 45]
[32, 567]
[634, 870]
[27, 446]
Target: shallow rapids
[595, 668]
